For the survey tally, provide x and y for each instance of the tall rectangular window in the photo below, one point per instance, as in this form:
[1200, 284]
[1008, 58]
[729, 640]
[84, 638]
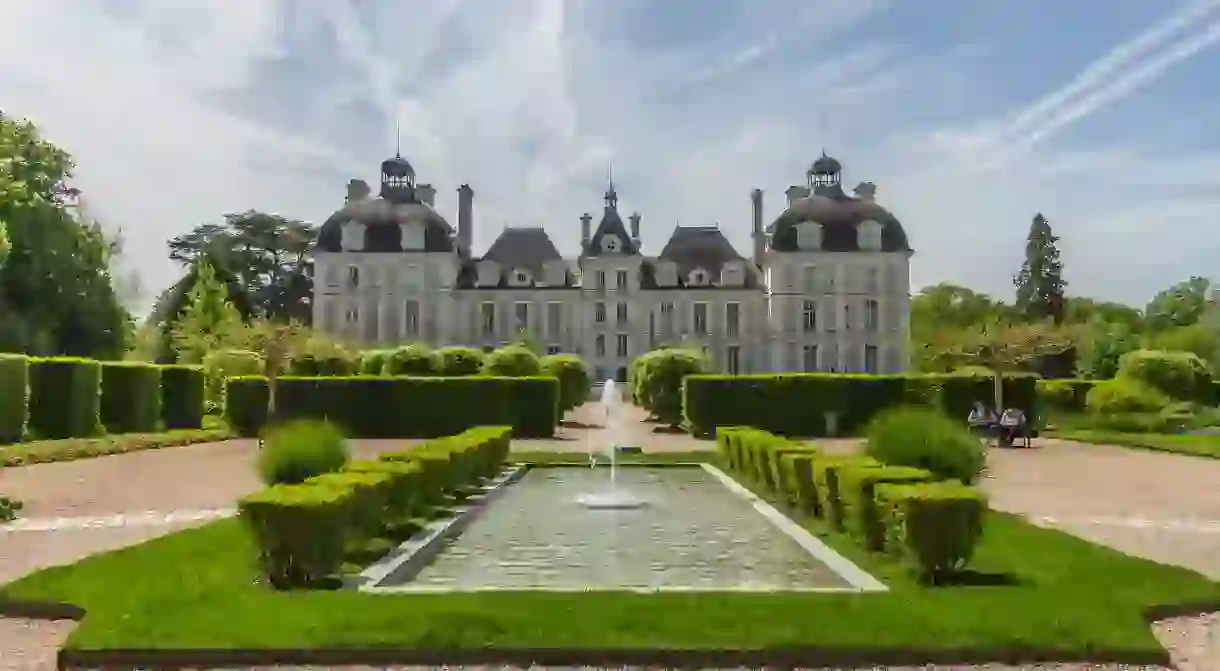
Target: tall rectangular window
[700, 317]
[870, 359]
[599, 312]
[599, 280]
[621, 280]
[411, 317]
[810, 284]
[599, 345]
[522, 313]
[554, 319]
[620, 313]
[489, 318]
[353, 276]
[733, 359]
[667, 318]
[809, 316]
[621, 345]
[872, 316]
[732, 318]
[809, 358]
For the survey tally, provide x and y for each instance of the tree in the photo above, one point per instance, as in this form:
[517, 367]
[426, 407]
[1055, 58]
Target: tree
[270, 254]
[208, 318]
[1040, 282]
[172, 304]
[5, 247]
[1182, 304]
[1005, 348]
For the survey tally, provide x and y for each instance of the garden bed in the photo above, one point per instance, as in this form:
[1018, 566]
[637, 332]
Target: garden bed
[71, 449]
[1192, 445]
[1032, 594]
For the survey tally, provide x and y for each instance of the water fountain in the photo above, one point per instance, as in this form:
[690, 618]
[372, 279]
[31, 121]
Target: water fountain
[614, 497]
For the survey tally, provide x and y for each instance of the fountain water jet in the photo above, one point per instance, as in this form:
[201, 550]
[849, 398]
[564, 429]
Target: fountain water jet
[613, 498]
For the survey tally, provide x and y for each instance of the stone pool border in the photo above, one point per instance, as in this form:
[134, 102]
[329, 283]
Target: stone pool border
[412, 556]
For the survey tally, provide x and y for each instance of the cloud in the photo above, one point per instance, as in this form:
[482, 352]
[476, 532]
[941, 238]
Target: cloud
[177, 115]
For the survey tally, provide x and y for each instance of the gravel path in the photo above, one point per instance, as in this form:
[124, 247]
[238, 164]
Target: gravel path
[1160, 506]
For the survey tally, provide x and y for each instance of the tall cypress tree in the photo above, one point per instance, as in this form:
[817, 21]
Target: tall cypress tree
[1040, 283]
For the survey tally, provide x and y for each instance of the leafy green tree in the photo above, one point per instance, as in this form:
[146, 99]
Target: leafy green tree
[208, 318]
[1182, 304]
[1040, 282]
[1104, 345]
[5, 247]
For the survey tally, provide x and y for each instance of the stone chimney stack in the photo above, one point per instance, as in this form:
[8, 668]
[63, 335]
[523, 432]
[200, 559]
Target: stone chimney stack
[635, 228]
[795, 193]
[866, 191]
[426, 194]
[465, 232]
[586, 229]
[756, 225]
[358, 189]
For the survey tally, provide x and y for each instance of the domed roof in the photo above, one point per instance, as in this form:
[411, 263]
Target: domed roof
[839, 215]
[826, 166]
[397, 167]
[382, 219]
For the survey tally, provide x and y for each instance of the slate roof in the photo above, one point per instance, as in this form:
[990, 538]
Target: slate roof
[611, 223]
[839, 215]
[528, 248]
[381, 218]
[692, 247]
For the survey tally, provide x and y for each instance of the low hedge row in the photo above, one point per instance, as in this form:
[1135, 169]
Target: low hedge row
[304, 532]
[897, 509]
[400, 407]
[799, 404]
[53, 398]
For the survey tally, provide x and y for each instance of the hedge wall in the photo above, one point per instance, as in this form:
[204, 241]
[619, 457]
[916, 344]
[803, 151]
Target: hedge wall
[14, 397]
[401, 407]
[797, 404]
[182, 397]
[131, 397]
[65, 397]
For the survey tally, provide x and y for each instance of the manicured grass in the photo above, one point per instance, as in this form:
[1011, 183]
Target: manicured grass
[1034, 589]
[1198, 446]
[71, 449]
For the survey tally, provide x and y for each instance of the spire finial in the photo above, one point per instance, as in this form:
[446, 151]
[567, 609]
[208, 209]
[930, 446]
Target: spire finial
[397, 137]
[611, 194]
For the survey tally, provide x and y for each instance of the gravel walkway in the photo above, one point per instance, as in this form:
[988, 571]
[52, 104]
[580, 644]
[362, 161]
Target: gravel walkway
[1161, 506]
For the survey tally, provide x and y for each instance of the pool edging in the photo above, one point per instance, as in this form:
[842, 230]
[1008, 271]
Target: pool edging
[846, 569]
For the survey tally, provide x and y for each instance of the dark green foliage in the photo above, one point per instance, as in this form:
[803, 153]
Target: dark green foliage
[416, 360]
[131, 397]
[1064, 395]
[182, 396]
[321, 365]
[1181, 376]
[826, 484]
[1040, 282]
[857, 490]
[929, 440]
[372, 361]
[1124, 395]
[935, 526]
[296, 451]
[173, 303]
[573, 379]
[459, 361]
[65, 397]
[512, 361]
[301, 531]
[797, 404]
[657, 380]
[14, 397]
[402, 407]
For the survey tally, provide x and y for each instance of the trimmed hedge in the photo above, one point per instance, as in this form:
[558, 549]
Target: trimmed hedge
[131, 397]
[65, 397]
[1063, 395]
[182, 396]
[14, 397]
[933, 526]
[401, 407]
[305, 532]
[797, 404]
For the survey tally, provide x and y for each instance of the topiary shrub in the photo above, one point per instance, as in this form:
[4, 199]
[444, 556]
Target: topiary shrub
[460, 361]
[372, 361]
[659, 378]
[223, 364]
[927, 439]
[295, 451]
[182, 396]
[512, 361]
[573, 379]
[14, 397]
[301, 531]
[1181, 376]
[935, 526]
[412, 360]
[131, 396]
[65, 397]
[1125, 395]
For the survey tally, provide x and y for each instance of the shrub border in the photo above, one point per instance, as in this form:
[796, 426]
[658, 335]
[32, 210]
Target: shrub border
[15, 455]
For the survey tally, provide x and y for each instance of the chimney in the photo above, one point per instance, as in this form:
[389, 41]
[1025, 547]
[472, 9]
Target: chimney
[586, 225]
[426, 194]
[635, 228]
[795, 193]
[756, 225]
[465, 232]
[866, 191]
[358, 189]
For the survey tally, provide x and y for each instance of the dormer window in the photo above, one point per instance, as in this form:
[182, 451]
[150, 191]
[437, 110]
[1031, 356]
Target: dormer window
[869, 235]
[697, 278]
[411, 236]
[611, 244]
[520, 277]
[353, 237]
[489, 274]
[809, 235]
[732, 274]
[667, 274]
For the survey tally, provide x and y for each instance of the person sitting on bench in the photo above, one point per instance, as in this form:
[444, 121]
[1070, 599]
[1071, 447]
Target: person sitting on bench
[981, 419]
[1012, 427]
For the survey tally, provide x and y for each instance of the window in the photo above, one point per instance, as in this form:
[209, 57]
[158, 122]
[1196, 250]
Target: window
[870, 359]
[697, 278]
[810, 280]
[599, 346]
[667, 317]
[732, 318]
[411, 314]
[809, 235]
[353, 276]
[809, 358]
[520, 278]
[872, 280]
[554, 319]
[809, 316]
[620, 345]
[599, 373]
[522, 312]
[733, 359]
[620, 313]
[353, 315]
[489, 318]
[621, 280]
[700, 317]
[869, 234]
[328, 316]
[552, 350]
[599, 279]
[872, 316]
[831, 317]
[599, 312]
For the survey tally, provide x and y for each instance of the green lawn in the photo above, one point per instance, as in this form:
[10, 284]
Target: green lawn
[1198, 446]
[1035, 589]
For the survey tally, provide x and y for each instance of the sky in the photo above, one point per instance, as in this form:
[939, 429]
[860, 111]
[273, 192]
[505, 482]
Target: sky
[970, 116]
